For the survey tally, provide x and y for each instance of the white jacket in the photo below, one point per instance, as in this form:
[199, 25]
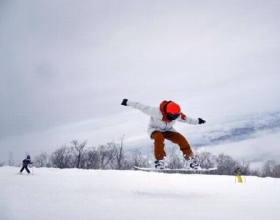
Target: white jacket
[157, 122]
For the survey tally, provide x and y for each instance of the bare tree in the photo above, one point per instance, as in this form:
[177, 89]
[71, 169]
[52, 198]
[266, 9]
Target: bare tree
[206, 159]
[120, 155]
[226, 165]
[78, 151]
[276, 171]
[137, 159]
[42, 160]
[271, 168]
[245, 167]
[2, 164]
[62, 157]
[92, 160]
[107, 154]
[174, 159]
[267, 169]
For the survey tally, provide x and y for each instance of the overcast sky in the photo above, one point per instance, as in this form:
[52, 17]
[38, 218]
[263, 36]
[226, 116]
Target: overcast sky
[66, 65]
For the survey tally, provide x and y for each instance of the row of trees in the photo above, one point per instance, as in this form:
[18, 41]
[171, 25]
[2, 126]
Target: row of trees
[109, 156]
[113, 156]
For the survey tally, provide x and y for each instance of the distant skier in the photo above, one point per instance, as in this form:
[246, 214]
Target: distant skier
[161, 127]
[238, 172]
[25, 164]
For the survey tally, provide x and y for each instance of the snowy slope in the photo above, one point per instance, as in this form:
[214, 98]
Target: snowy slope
[72, 194]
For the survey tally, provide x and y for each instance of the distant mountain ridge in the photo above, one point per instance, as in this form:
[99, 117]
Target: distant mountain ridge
[241, 129]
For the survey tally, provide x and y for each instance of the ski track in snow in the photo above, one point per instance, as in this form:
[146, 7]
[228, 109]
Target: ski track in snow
[106, 194]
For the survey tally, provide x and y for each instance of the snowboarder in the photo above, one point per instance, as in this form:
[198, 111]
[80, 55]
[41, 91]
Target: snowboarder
[25, 164]
[161, 127]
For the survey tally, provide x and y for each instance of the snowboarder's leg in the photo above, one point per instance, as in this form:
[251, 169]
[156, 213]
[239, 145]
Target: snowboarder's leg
[158, 145]
[179, 139]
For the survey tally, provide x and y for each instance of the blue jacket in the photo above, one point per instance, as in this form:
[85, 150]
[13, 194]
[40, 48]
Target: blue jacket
[26, 162]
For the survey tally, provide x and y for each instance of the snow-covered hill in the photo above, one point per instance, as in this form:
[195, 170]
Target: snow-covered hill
[134, 195]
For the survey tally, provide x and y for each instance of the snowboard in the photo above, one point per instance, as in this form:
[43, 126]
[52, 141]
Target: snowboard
[168, 170]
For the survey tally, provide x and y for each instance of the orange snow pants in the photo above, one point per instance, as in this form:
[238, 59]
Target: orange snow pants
[174, 137]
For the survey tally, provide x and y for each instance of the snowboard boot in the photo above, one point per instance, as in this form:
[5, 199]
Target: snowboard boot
[192, 164]
[159, 164]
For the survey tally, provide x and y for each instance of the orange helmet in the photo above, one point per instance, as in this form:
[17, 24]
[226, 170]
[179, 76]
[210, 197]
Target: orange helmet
[172, 108]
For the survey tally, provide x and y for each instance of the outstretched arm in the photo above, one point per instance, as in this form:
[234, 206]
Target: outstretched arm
[152, 111]
[189, 120]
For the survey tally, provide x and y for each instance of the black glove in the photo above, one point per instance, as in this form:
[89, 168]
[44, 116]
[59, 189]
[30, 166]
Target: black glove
[201, 121]
[124, 102]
